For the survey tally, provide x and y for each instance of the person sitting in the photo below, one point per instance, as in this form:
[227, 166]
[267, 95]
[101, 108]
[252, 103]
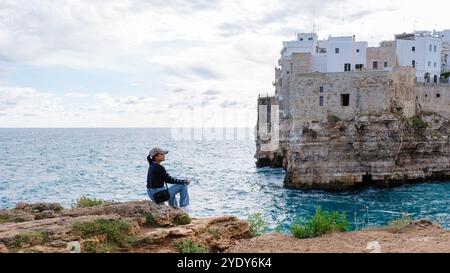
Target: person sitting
[157, 176]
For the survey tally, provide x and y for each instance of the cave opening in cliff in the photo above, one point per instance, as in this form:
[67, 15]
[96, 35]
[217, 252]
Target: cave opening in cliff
[367, 178]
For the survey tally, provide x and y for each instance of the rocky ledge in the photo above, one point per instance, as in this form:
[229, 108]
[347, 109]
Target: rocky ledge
[142, 226]
[139, 226]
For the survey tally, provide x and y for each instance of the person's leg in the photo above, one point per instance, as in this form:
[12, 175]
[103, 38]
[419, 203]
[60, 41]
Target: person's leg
[184, 195]
[173, 190]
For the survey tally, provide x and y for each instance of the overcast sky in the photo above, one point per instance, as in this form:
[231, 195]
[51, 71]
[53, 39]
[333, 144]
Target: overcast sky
[165, 63]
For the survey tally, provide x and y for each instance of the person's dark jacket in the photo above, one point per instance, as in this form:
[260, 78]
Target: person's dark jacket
[157, 175]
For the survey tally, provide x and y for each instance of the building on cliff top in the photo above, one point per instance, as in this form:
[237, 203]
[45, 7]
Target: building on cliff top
[323, 82]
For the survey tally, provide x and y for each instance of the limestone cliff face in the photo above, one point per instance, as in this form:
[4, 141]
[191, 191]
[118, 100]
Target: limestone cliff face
[368, 150]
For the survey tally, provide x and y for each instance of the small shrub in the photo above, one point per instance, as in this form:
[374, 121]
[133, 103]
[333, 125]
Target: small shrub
[214, 233]
[181, 219]
[189, 246]
[150, 219]
[397, 225]
[95, 247]
[5, 218]
[258, 226]
[86, 202]
[418, 122]
[35, 237]
[116, 231]
[321, 223]
[333, 118]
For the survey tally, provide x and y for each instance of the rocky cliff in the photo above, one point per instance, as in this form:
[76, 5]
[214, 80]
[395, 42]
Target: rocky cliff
[142, 226]
[380, 150]
[139, 226]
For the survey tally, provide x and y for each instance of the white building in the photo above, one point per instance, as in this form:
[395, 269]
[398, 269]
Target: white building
[337, 54]
[305, 43]
[445, 59]
[421, 50]
[344, 54]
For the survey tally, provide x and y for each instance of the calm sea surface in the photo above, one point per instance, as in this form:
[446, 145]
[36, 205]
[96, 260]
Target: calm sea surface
[61, 165]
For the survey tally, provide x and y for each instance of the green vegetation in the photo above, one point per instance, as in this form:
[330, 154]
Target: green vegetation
[258, 226]
[115, 231]
[5, 218]
[398, 225]
[418, 122]
[181, 219]
[189, 246]
[95, 247]
[35, 237]
[333, 118]
[86, 202]
[214, 233]
[149, 219]
[321, 223]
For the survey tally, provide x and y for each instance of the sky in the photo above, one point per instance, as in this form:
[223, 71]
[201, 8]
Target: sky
[169, 63]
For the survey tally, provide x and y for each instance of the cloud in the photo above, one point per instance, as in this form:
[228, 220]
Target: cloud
[178, 90]
[228, 104]
[18, 101]
[76, 95]
[204, 72]
[211, 92]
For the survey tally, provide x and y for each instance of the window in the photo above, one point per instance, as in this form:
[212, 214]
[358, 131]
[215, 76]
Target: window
[435, 48]
[385, 64]
[438, 95]
[375, 65]
[321, 101]
[414, 64]
[357, 51]
[414, 49]
[430, 48]
[347, 67]
[336, 50]
[345, 99]
[429, 63]
[321, 89]
[435, 64]
[358, 66]
[310, 39]
[301, 39]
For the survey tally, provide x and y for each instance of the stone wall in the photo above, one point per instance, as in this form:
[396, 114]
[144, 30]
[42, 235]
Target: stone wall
[268, 150]
[386, 52]
[373, 92]
[434, 98]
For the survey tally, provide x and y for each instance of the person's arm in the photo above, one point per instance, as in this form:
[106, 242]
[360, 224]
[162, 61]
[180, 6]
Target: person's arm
[169, 179]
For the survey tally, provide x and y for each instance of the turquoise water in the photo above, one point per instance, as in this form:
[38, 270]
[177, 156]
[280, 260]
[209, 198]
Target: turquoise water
[61, 165]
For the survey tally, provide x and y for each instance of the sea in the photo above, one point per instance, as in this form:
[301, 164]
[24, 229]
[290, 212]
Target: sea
[62, 165]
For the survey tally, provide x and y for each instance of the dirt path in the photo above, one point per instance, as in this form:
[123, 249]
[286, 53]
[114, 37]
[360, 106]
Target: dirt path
[419, 236]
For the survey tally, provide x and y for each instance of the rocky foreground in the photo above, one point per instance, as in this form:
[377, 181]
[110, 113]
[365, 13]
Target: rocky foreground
[142, 226]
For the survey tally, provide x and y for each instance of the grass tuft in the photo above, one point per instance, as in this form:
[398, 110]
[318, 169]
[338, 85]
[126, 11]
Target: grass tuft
[86, 202]
[321, 223]
[189, 246]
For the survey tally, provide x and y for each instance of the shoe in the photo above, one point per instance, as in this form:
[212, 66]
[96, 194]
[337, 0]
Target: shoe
[186, 209]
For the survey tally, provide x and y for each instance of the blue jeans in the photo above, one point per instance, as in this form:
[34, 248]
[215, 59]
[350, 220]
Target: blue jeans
[182, 189]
